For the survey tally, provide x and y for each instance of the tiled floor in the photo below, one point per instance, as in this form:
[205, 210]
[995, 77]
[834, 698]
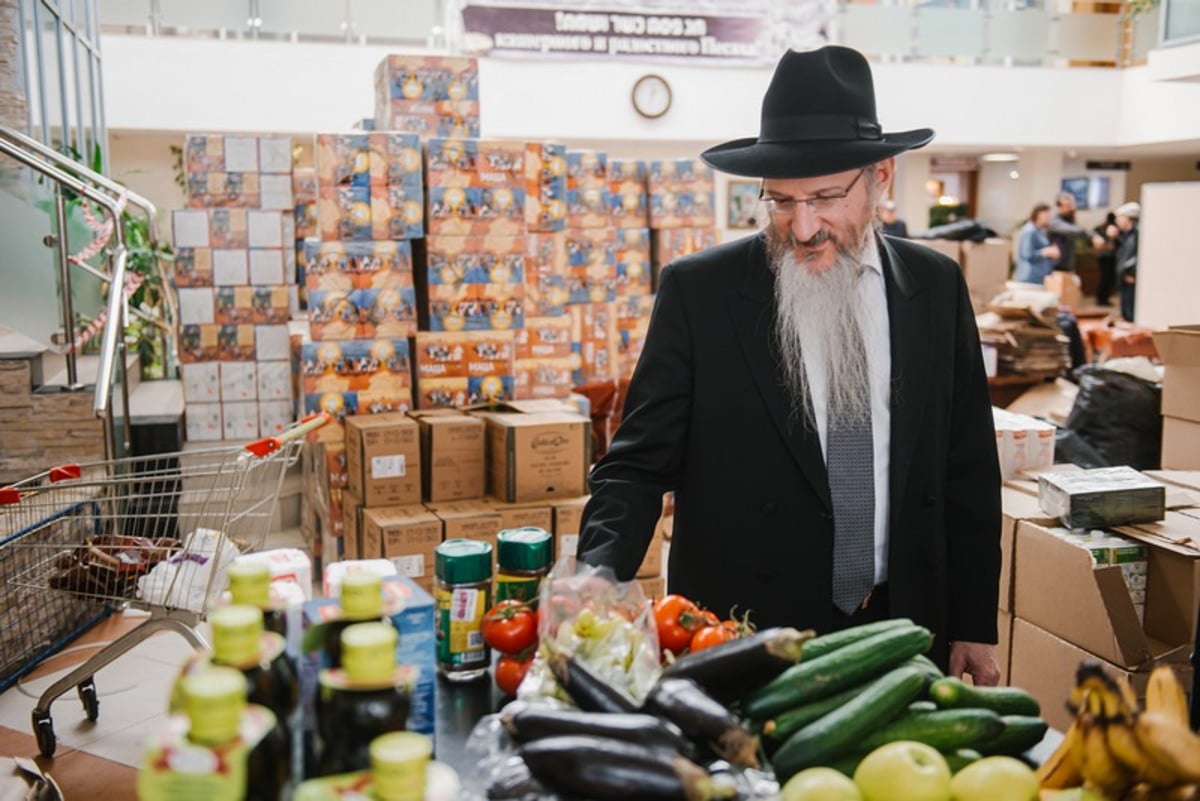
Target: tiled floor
[98, 760]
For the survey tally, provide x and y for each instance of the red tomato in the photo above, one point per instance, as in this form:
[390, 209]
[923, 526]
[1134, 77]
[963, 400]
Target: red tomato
[709, 636]
[510, 627]
[677, 619]
[510, 671]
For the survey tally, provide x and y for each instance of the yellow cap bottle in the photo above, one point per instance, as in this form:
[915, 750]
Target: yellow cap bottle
[214, 698]
[250, 583]
[398, 762]
[362, 596]
[236, 634]
[369, 653]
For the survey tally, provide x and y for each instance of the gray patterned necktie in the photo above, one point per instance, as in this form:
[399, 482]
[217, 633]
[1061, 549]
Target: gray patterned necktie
[850, 464]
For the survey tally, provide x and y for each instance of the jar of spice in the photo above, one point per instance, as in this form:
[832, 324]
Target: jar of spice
[463, 589]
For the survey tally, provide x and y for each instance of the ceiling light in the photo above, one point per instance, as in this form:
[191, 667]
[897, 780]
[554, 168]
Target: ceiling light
[1014, 175]
[998, 157]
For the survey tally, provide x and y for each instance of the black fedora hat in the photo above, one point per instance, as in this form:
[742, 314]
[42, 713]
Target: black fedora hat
[818, 118]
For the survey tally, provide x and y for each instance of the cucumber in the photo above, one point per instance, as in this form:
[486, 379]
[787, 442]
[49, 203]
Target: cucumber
[928, 663]
[952, 693]
[848, 764]
[829, 674]
[842, 731]
[1021, 732]
[957, 760]
[945, 730]
[921, 707]
[827, 643]
[784, 726]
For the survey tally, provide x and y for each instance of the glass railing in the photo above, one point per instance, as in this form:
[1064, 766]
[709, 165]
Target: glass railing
[1004, 32]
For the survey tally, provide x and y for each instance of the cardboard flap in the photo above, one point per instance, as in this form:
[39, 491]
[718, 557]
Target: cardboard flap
[1178, 532]
[1058, 588]
[1189, 479]
[1179, 345]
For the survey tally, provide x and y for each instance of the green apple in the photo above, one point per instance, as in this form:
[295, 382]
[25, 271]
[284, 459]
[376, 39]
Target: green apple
[996, 778]
[821, 784]
[904, 771]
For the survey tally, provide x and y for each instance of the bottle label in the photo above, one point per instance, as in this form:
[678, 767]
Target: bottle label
[516, 588]
[176, 769]
[460, 626]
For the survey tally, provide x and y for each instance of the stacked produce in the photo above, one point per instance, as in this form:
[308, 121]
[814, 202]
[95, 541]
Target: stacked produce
[738, 712]
[1119, 749]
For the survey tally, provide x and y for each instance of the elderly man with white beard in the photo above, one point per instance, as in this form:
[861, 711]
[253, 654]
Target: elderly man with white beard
[816, 398]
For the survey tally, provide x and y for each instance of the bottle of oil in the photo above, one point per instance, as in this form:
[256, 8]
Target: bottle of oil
[250, 585]
[399, 761]
[219, 749]
[368, 696]
[239, 642]
[361, 601]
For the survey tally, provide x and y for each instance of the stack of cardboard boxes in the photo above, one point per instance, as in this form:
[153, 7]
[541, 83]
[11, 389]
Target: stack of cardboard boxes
[1125, 595]
[427, 95]
[986, 266]
[682, 199]
[304, 188]
[1179, 349]
[235, 278]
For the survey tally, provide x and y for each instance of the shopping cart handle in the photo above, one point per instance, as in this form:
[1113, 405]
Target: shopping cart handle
[64, 472]
[9, 496]
[269, 445]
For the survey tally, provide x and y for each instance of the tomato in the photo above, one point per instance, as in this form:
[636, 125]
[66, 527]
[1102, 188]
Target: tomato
[709, 636]
[677, 619]
[510, 627]
[510, 671]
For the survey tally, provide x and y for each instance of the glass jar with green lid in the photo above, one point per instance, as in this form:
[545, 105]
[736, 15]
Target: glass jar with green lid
[523, 560]
[463, 588]
[250, 585]
[369, 696]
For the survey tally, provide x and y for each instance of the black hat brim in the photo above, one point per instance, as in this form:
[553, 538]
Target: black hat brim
[751, 158]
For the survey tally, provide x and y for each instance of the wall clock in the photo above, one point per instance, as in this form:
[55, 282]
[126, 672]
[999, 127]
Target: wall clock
[651, 96]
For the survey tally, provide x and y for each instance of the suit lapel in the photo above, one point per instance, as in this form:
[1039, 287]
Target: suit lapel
[908, 324]
[753, 318]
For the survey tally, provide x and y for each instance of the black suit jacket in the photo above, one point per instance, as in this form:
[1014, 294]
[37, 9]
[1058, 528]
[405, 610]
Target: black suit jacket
[707, 416]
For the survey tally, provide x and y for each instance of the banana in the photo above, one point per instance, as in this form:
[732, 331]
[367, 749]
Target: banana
[1169, 744]
[1124, 745]
[1101, 770]
[1060, 770]
[1165, 697]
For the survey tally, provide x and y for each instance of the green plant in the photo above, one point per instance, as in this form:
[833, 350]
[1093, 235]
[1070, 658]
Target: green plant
[1139, 8]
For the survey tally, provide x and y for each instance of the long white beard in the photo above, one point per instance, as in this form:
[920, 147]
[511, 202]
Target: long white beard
[824, 306]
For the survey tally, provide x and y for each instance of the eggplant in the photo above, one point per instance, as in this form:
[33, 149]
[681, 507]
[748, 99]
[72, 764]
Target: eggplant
[589, 692]
[599, 768]
[536, 723]
[731, 669]
[703, 719]
[514, 782]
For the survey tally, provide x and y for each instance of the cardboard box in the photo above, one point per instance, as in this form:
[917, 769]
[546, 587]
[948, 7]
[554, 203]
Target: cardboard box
[198, 343]
[405, 535]
[196, 307]
[417, 77]
[275, 381]
[193, 267]
[1180, 444]
[463, 354]
[544, 378]
[536, 455]
[652, 562]
[544, 338]
[272, 343]
[240, 421]
[456, 260]
[276, 192]
[230, 266]
[1004, 627]
[203, 422]
[266, 266]
[201, 383]
[1023, 443]
[1107, 496]
[653, 588]
[1066, 286]
[383, 457]
[523, 515]
[1179, 349]
[213, 189]
[469, 520]
[1045, 665]
[1059, 587]
[264, 229]
[1049, 401]
[275, 154]
[353, 544]
[275, 417]
[1173, 574]
[473, 307]
[235, 343]
[228, 228]
[397, 211]
[346, 266]
[1016, 506]
[986, 266]
[239, 381]
[453, 456]
[947, 247]
[568, 519]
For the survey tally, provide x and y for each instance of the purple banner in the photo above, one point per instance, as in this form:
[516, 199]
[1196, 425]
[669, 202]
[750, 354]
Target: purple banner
[520, 30]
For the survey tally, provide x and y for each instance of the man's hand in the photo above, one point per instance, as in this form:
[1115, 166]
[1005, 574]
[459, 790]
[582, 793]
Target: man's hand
[977, 659]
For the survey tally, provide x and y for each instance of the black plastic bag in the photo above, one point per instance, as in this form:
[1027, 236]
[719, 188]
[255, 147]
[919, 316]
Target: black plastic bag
[961, 231]
[1072, 448]
[1119, 416]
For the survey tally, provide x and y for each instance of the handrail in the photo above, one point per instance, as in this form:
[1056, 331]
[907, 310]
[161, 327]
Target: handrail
[147, 207]
[114, 206]
[113, 328]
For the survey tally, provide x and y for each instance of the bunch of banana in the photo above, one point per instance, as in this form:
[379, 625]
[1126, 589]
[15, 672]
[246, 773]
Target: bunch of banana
[1122, 751]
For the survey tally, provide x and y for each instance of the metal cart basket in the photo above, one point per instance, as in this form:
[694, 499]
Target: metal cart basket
[155, 533]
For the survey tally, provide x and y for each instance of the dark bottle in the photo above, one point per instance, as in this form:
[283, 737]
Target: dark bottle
[250, 585]
[361, 600]
[367, 697]
[221, 723]
[239, 642]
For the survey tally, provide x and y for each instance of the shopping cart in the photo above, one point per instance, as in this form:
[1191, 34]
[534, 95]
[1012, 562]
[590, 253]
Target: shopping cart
[153, 533]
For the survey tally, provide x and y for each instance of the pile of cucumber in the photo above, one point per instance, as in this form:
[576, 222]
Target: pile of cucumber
[860, 688]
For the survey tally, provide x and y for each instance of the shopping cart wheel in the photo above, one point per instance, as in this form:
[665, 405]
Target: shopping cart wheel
[91, 702]
[43, 731]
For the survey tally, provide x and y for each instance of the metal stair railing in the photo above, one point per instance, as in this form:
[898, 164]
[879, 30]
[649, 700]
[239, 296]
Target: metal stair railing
[113, 342]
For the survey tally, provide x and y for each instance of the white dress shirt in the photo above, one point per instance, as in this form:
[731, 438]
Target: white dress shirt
[873, 296]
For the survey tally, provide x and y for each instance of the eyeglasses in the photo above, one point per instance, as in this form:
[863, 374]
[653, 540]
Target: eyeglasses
[818, 204]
